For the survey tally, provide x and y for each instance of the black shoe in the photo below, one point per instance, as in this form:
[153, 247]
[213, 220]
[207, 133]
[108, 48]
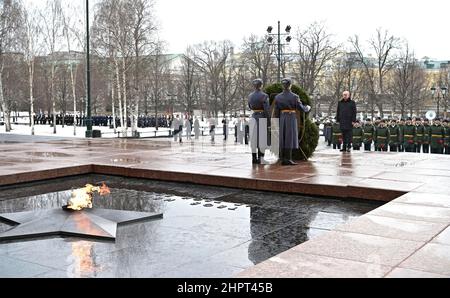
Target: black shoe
[343, 150]
[288, 163]
[255, 159]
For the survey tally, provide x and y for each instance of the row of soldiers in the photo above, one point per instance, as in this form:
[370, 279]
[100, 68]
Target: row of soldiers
[410, 135]
[105, 121]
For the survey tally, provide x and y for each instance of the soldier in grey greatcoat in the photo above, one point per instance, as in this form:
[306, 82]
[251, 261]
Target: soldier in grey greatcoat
[286, 106]
[258, 102]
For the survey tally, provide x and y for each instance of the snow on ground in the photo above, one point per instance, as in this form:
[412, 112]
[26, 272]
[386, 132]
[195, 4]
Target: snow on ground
[68, 131]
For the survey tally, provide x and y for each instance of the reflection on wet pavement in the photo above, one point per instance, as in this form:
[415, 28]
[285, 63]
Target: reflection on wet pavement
[228, 231]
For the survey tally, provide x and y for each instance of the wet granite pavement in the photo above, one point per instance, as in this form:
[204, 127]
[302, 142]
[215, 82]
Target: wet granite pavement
[406, 237]
[227, 231]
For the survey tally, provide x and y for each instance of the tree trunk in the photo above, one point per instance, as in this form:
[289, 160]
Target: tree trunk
[113, 106]
[119, 95]
[125, 103]
[74, 95]
[31, 76]
[6, 113]
[52, 95]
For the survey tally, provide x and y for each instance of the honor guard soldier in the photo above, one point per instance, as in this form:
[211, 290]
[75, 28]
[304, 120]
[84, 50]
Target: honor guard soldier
[409, 136]
[336, 136]
[437, 133]
[401, 126]
[426, 136]
[258, 102]
[358, 136]
[394, 136]
[369, 131]
[420, 128]
[286, 106]
[382, 137]
[447, 137]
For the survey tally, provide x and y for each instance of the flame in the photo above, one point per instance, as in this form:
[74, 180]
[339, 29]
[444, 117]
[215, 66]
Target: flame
[82, 198]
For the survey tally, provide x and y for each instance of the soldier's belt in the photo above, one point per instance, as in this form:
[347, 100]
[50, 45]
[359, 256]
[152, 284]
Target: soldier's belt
[357, 137]
[258, 111]
[392, 136]
[289, 111]
[336, 134]
[367, 134]
[408, 136]
[420, 135]
[383, 138]
[436, 136]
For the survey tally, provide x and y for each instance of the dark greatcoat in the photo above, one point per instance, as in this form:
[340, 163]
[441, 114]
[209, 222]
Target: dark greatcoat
[288, 121]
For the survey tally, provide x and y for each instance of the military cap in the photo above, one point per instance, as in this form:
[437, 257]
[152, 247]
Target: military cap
[409, 119]
[368, 119]
[257, 82]
[437, 119]
[445, 121]
[286, 81]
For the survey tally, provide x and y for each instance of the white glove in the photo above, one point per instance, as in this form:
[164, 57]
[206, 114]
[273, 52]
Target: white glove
[307, 109]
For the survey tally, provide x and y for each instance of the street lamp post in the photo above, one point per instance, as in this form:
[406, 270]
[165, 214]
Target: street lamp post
[278, 35]
[89, 133]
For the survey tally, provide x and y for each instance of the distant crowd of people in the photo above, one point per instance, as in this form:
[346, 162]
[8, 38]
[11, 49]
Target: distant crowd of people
[404, 135]
[189, 127]
[101, 121]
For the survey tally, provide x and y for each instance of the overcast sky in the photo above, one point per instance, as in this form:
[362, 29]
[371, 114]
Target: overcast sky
[423, 23]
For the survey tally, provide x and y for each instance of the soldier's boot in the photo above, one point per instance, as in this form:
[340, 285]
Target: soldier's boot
[255, 158]
[287, 161]
[260, 157]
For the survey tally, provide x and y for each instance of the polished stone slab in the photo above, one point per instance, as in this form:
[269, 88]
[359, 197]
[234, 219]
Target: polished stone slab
[93, 223]
[375, 176]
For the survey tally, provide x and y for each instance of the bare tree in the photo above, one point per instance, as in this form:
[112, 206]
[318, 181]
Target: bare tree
[73, 37]
[243, 77]
[31, 48]
[143, 28]
[10, 21]
[158, 78]
[258, 54]
[214, 60]
[189, 80]
[315, 49]
[52, 33]
[377, 69]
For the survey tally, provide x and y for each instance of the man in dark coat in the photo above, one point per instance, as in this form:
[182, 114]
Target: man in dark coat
[258, 102]
[286, 106]
[346, 117]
